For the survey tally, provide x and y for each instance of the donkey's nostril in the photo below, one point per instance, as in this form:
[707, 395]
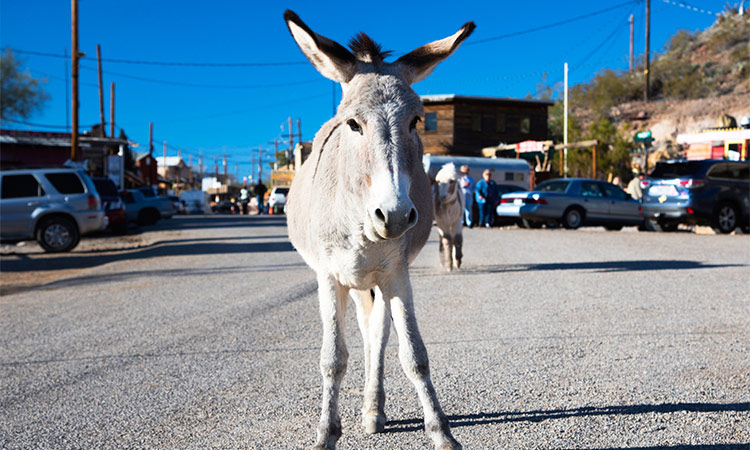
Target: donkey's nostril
[412, 217]
[379, 214]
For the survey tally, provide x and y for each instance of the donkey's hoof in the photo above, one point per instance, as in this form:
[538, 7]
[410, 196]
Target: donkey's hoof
[451, 445]
[373, 424]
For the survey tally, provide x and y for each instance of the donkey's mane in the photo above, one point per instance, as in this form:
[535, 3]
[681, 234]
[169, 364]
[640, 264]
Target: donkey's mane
[365, 49]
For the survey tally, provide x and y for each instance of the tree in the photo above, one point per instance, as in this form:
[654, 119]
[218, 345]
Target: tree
[21, 95]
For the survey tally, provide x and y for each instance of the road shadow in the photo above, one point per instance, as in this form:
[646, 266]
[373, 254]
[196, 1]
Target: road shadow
[679, 447]
[195, 247]
[468, 420]
[597, 266]
[125, 276]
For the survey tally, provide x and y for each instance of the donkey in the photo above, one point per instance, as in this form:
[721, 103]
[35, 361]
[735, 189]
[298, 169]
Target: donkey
[359, 212]
[449, 210]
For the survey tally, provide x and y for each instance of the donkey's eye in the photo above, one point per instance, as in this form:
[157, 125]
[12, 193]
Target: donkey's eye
[354, 125]
[414, 122]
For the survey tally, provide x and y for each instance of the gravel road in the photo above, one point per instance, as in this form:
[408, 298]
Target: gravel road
[207, 336]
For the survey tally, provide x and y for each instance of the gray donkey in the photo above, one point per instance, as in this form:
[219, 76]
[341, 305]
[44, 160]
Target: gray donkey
[360, 210]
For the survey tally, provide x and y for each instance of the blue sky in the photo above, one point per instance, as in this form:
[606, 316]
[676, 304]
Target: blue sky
[241, 76]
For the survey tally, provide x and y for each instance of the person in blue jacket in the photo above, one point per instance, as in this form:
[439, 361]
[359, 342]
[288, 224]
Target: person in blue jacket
[486, 197]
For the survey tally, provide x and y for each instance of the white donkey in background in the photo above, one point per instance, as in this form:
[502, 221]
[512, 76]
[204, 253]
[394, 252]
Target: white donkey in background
[360, 211]
[449, 210]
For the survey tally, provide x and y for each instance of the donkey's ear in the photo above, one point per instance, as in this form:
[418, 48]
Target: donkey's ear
[331, 59]
[419, 63]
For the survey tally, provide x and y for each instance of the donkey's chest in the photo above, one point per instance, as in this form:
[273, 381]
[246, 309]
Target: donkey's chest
[362, 268]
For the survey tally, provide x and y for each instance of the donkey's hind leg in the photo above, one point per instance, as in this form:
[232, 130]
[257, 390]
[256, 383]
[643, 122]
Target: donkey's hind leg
[375, 323]
[333, 358]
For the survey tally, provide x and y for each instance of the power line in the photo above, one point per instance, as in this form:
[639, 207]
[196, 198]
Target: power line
[689, 7]
[40, 125]
[209, 86]
[171, 63]
[550, 25]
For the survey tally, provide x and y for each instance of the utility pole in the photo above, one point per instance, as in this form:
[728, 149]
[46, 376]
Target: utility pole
[190, 167]
[112, 109]
[200, 168]
[165, 160]
[565, 124]
[74, 156]
[291, 142]
[260, 164]
[67, 92]
[648, 37]
[226, 180]
[631, 43]
[102, 131]
[299, 140]
[151, 139]
[334, 98]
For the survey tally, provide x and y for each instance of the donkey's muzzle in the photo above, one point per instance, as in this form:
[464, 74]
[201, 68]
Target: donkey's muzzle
[392, 224]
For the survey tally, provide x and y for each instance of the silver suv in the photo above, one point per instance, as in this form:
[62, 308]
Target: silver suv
[55, 206]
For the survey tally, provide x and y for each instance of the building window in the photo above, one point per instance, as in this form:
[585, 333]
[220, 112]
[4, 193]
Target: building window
[476, 122]
[500, 123]
[526, 125]
[430, 122]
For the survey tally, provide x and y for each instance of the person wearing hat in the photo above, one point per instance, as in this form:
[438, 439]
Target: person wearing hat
[467, 187]
[486, 196]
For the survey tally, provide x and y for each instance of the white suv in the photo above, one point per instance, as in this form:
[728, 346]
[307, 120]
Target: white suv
[55, 206]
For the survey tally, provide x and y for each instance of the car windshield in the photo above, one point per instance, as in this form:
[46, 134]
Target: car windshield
[282, 191]
[553, 186]
[676, 170]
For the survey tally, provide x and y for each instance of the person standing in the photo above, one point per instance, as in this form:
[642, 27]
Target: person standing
[466, 182]
[634, 187]
[260, 191]
[244, 198]
[486, 195]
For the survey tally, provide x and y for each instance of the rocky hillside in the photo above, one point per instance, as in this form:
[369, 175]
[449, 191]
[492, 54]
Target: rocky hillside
[696, 79]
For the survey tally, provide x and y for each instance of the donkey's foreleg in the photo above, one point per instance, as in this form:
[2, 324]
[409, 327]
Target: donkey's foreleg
[413, 356]
[379, 328]
[458, 243]
[446, 249]
[333, 358]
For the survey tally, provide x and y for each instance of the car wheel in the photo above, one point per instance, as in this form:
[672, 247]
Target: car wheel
[725, 218]
[613, 227]
[148, 216]
[572, 218]
[57, 234]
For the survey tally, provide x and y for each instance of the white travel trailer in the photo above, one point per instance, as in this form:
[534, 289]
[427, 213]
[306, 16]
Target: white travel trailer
[504, 170]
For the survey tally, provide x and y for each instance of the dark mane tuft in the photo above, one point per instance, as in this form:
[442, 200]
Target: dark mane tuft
[364, 48]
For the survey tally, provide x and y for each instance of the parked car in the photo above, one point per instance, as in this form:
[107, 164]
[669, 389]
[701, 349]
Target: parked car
[55, 206]
[709, 192]
[573, 202]
[145, 211]
[112, 204]
[503, 189]
[178, 205]
[167, 208]
[277, 199]
[225, 207]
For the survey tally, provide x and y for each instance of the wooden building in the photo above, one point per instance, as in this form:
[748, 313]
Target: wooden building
[463, 125]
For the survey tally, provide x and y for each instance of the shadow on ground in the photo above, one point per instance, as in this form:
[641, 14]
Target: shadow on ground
[456, 421]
